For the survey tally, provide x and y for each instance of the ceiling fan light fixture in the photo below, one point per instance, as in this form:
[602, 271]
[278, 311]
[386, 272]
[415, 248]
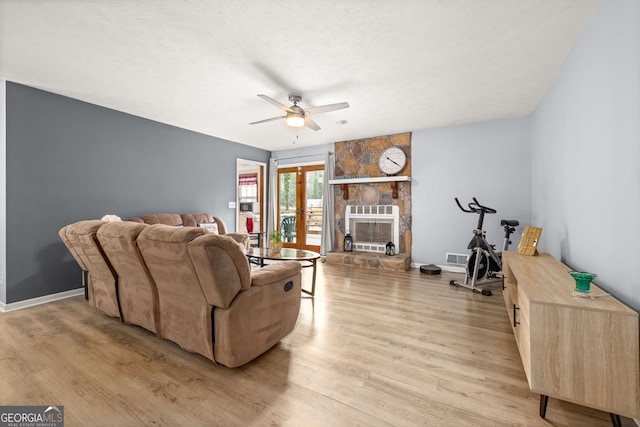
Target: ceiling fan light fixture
[296, 116]
[295, 120]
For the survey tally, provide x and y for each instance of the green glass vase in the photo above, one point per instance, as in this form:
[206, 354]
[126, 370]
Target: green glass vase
[583, 280]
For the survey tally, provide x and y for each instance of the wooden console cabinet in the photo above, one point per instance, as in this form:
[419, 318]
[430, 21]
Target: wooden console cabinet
[581, 350]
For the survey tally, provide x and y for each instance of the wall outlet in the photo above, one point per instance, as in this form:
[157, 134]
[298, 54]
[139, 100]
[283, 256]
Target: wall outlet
[232, 205]
[1, 277]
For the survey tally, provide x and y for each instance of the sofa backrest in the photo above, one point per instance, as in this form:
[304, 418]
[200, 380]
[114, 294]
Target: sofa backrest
[163, 218]
[103, 293]
[188, 220]
[137, 291]
[184, 313]
[193, 219]
[222, 267]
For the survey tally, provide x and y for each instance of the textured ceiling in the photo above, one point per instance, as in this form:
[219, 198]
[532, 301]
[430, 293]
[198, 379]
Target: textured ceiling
[402, 65]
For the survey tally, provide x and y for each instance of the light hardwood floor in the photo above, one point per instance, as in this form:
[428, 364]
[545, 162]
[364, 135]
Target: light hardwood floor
[371, 349]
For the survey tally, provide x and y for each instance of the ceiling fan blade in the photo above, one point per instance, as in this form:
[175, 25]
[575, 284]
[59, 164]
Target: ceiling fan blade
[268, 120]
[327, 108]
[276, 103]
[311, 124]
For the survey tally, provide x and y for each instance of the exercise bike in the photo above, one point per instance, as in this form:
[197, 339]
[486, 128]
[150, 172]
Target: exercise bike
[484, 265]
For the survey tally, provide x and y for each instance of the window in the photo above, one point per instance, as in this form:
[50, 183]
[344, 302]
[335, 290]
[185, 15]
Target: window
[248, 188]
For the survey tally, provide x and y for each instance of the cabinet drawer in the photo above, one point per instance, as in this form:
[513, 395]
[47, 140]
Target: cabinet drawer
[508, 302]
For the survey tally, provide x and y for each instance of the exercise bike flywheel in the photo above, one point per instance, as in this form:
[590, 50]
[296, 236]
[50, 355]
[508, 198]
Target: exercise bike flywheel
[483, 265]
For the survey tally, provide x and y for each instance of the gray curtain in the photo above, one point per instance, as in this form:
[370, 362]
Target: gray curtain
[272, 215]
[328, 215]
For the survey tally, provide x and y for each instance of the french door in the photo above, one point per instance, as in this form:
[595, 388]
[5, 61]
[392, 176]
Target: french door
[300, 206]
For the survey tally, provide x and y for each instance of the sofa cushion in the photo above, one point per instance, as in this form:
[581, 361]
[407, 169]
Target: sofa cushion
[209, 227]
[136, 289]
[185, 315]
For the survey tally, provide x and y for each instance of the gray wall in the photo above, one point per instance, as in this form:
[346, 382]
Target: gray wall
[490, 161]
[3, 194]
[586, 153]
[67, 160]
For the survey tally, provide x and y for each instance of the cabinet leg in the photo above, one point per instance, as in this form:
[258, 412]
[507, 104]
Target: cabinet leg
[543, 405]
[85, 284]
[615, 419]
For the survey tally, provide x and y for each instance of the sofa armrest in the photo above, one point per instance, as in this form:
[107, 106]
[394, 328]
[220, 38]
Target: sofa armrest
[242, 238]
[222, 228]
[260, 316]
[275, 273]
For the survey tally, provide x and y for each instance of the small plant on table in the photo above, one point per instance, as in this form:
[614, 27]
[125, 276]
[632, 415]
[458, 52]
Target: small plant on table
[275, 242]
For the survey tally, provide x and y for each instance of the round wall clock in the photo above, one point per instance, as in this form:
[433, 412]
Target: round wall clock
[392, 160]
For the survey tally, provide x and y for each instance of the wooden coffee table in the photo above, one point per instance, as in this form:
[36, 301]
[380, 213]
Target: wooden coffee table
[258, 256]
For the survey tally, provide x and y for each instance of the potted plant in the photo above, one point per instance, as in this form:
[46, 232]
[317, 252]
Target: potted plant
[275, 242]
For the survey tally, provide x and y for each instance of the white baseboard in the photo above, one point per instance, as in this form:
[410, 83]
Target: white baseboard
[40, 300]
[453, 268]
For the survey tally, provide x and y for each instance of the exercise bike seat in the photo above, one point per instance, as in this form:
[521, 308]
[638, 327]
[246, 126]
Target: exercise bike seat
[510, 222]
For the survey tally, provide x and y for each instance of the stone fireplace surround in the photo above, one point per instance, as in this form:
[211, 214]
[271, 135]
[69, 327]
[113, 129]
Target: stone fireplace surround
[359, 158]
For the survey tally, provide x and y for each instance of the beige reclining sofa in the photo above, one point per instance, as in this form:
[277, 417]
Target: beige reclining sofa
[187, 286]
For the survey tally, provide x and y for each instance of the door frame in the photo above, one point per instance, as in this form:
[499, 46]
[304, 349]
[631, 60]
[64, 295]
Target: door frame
[301, 217]
[262, 192]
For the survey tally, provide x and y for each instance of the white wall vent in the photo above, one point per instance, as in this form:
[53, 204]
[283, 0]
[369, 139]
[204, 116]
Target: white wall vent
[457, 259]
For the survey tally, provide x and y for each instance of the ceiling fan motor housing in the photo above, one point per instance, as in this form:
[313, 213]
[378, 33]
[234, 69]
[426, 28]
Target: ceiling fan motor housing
[297, 110]
[295, 99]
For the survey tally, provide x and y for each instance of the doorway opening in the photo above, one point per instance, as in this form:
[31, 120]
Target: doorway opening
[300, 191]
[250, 206]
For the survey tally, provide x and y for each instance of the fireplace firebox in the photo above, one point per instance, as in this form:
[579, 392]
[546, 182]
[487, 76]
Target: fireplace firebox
[372, 227]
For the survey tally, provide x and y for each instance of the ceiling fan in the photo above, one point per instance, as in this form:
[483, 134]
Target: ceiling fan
[297, 116]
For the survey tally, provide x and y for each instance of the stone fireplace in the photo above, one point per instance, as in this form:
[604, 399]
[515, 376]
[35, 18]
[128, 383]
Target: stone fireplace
[372, 189]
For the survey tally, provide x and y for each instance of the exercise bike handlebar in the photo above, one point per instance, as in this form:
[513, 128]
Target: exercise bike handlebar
[475, 207]
[486, 209]
[461, 208]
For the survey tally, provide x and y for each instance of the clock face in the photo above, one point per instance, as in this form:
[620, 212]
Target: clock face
[392, 160]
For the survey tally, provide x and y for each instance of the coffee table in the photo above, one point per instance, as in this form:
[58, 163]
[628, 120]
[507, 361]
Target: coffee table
[258, 256]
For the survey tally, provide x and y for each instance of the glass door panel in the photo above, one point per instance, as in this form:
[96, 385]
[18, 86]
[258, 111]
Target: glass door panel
[288, 205]
[300, 206]
[313, 207]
